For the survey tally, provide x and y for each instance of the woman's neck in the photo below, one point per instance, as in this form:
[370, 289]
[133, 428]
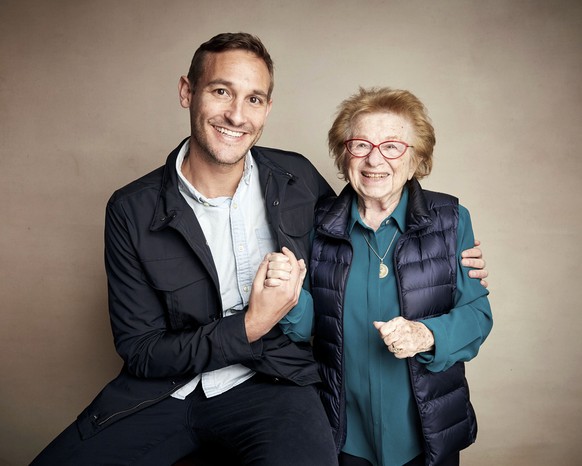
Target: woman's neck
[374, 211]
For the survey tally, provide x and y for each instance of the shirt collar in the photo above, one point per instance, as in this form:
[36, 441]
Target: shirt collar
[191, 191]
[399, 214]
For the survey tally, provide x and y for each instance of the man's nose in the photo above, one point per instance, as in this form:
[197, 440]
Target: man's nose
[235, 112]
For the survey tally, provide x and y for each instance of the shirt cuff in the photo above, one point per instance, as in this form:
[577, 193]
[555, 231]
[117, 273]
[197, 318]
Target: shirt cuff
[298, 322]
[436, 359]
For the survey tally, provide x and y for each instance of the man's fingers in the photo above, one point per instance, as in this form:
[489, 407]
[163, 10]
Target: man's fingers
[478, 273]
[475, 253]
[295, 269]
[279, 268]
[261, 274]
[273, 282]
[302, 270]
[474, 263]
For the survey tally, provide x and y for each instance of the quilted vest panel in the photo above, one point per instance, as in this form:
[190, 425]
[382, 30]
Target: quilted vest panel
[425, 265]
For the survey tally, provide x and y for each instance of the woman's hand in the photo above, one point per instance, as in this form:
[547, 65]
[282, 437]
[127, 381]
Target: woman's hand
[405, 338]
[272, 298]
[279, 269]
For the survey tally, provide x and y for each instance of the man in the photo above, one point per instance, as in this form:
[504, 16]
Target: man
[202, 334]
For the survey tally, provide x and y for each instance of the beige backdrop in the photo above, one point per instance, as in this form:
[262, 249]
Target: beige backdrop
[88, 102]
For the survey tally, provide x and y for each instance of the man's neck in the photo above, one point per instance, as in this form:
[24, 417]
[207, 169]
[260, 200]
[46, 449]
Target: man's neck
[212, 179]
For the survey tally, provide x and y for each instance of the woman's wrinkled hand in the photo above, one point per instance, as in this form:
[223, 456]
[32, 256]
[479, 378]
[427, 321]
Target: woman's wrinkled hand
[405, 338]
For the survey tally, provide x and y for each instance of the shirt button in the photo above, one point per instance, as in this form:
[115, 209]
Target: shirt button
[234, 206]
[246, 289]
[206, 204]
[241, 248]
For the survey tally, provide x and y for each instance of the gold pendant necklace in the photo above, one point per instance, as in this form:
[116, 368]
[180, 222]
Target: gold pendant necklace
[383, 267]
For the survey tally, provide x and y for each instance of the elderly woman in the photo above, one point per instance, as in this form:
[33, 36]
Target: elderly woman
[396, 315]
[392, 308]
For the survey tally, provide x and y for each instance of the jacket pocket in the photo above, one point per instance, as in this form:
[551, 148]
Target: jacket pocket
[185, 289]
[297, 221]
[123, 396]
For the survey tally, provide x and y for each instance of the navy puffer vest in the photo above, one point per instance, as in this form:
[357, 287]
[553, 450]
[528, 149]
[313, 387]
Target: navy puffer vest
[425, 267]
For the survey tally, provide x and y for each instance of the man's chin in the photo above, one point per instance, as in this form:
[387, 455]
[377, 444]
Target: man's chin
[228, 157]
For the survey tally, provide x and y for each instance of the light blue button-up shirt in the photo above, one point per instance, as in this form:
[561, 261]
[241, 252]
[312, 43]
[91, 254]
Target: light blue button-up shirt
[239, 236]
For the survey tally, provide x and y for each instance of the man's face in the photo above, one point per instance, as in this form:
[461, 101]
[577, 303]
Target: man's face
[228, 106]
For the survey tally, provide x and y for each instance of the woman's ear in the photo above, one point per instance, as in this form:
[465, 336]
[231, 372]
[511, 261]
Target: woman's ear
[414, 162]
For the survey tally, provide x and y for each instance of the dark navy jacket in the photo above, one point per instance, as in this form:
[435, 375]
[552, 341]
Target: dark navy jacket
[425, 267]
[164, 298]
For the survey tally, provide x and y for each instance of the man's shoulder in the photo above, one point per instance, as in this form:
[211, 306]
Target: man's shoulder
[146, 184]
[289, 160]
[150, 183]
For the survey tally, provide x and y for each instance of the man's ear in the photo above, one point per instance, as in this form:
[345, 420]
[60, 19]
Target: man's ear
[185, 92]
[269, 106]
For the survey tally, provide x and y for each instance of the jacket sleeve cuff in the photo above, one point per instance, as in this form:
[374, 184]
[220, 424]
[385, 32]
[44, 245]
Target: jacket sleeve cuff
[234, 343]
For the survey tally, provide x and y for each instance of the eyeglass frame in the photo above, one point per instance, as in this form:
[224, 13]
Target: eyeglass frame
[374, 146]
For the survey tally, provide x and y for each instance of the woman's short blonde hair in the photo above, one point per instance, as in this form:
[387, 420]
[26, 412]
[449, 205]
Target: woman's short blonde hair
[380, 100]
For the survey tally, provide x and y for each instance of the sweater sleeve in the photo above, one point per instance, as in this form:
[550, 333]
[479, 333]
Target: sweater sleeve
[459, 334]
[298, 323]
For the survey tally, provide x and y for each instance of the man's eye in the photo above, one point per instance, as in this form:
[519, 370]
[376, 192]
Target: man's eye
[256, 100]
[221, 92]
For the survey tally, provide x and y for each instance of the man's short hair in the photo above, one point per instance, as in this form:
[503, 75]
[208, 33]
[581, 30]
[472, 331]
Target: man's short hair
[230, 41]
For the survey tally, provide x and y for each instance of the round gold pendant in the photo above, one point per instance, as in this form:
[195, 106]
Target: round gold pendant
[383, 270]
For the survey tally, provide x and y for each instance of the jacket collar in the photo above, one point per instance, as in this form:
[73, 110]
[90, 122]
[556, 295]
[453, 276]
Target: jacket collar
[171, 205]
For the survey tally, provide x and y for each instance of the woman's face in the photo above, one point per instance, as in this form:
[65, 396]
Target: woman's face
[375, 178]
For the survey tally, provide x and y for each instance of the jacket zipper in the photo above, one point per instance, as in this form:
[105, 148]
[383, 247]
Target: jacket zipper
[137, 406]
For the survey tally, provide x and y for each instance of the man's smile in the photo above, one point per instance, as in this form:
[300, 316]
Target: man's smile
[228, 132]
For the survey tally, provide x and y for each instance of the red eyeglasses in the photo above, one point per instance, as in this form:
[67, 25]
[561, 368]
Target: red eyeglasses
[389, 149]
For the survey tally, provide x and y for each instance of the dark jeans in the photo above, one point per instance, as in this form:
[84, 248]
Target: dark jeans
[260, 422]
[349, 460]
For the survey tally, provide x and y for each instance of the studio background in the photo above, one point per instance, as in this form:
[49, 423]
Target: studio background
[88, 102]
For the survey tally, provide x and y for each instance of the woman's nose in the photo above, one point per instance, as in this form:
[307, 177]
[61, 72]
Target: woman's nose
[375, 157]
